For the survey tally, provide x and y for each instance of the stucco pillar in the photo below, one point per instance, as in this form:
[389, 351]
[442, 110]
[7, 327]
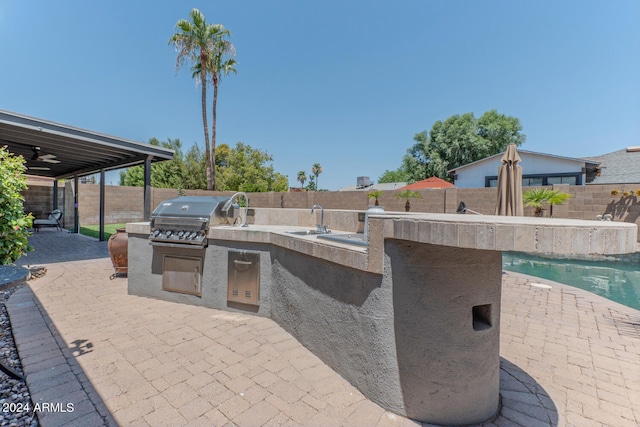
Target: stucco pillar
[446, 304]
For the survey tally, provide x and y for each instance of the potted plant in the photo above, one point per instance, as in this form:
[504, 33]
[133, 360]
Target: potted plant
[375, 194]
[537, 197]
[614, 193]
[408, 195]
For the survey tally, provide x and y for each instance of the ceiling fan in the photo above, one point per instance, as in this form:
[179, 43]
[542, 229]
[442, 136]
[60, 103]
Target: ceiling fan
[46, 158]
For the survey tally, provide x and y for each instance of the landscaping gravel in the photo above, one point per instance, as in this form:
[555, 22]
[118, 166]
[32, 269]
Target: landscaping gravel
[14, 394]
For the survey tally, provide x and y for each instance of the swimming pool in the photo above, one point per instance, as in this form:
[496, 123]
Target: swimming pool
[615, 280]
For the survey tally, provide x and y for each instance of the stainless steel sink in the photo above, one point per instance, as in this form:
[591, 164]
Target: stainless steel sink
[304, 232]
[352, 239]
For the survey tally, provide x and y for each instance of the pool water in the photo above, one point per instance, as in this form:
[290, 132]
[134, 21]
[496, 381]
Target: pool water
[616, 281]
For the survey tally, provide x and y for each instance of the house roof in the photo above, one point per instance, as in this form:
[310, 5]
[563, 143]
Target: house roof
[72, 151]
[573, 159]
[618, 167]
[433, 182]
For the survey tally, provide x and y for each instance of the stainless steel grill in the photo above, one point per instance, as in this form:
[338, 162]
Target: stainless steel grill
[184, 221]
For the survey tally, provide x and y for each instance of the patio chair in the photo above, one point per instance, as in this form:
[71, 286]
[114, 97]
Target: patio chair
[53, 220]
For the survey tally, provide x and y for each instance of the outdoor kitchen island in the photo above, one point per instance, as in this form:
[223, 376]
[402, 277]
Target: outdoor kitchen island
[412, 320]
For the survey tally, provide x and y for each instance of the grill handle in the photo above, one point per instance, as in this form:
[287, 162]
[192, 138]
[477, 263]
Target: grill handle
[177, 245]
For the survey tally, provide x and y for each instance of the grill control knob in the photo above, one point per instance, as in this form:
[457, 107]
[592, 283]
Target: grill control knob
[168, 233]
[193, 235]
[180, 234]
[156, 233]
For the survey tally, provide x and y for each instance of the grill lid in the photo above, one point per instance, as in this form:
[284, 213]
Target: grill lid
[185, 220]
[189, 207]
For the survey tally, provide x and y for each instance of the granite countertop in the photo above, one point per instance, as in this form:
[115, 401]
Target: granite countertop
[481, 232]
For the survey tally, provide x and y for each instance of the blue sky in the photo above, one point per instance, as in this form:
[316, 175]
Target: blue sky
[345, 84]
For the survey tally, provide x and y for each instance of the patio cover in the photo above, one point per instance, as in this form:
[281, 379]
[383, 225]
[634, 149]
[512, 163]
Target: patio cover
[510, 184]
[79, 152]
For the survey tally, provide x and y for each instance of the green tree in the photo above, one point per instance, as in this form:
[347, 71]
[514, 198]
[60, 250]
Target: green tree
[167, 174]
[194, 175]
[302, 178]
[459, 140]
[537, 197]
[398, 175]
[311, 186]
[14, 223]
[132, 177]
[244, 168]
[241, 168]
[200, 44]
[316, 170]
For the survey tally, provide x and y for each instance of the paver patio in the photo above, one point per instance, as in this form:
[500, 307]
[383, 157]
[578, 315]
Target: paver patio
[568, 357]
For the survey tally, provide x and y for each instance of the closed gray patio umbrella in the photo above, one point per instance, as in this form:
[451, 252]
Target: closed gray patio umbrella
[510, 184]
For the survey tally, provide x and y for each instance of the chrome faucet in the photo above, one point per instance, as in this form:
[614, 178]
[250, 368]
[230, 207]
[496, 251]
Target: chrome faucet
[229, 202]
[320, 228]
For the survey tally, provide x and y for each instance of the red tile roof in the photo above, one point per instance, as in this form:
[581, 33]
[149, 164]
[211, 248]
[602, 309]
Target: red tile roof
[433, 182]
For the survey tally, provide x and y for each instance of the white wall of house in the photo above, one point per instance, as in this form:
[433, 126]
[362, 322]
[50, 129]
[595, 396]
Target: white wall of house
[473, 175]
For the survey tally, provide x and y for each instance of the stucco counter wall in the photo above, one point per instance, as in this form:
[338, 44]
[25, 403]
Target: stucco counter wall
[345, 316]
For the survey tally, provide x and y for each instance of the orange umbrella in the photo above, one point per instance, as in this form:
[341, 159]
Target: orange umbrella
[510, 184]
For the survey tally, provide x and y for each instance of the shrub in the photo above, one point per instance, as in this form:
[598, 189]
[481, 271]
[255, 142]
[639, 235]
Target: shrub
[14, 224]
[614, 192]
[537, 197]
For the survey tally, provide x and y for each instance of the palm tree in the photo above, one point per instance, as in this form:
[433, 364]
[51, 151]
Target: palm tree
[302, 177]
[204, 46]
[375, 194]
[221, 64]
[407, 195]
[537, 197]
[316, 169]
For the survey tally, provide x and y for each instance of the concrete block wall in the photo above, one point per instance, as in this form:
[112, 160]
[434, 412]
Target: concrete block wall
[482, 200]
[39, 201]
[592, 200]
[122, 204]
[125, 204]
[599, 201]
